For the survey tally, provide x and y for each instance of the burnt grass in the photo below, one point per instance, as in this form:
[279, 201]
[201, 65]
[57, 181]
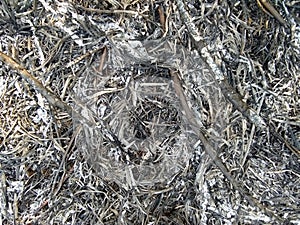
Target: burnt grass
[115, 145]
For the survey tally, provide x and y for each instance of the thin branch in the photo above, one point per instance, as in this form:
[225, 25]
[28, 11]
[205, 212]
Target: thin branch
[230, 93]
[211, 151]
[51, 97]
[270, 10]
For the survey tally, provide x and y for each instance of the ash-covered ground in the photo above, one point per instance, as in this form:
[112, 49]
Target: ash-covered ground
[94, 130]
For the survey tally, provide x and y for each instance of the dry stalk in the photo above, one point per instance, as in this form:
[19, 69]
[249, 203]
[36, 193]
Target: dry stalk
[270, 10]
[51, 97]
[232, 96]
[228, 91]
[211, 151]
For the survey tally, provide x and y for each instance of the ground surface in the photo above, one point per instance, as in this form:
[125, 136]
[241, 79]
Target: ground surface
[125, 152]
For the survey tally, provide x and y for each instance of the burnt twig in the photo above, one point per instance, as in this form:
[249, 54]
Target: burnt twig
[210, 150]
[51, 97]
[270, 10]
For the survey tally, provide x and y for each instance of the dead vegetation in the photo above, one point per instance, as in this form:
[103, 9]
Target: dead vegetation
[94, 130]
